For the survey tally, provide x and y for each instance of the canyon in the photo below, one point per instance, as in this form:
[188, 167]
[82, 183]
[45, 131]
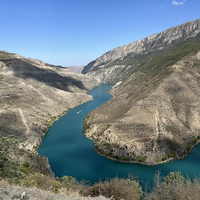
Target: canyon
[155, 112]
[33, 95]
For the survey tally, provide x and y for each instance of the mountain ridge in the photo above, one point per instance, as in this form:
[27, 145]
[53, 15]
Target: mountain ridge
[146, 45]
[153, 116]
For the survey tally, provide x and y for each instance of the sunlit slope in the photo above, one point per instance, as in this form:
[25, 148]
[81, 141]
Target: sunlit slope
[118, 63]
[155, 112]
[32, 95]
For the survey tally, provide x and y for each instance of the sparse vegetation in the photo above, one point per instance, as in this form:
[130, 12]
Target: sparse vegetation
[152, 63]
[121, 158]
[118, 188]
[192, 143]
[172, 186]
[166, 157]
[140, 158]
[9, 167]
[26, 197]
[85, 123]
[25, 168]
[158, 159]
[172, 129]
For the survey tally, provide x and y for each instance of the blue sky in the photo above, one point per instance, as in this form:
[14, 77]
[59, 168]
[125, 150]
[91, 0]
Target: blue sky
[75, 32]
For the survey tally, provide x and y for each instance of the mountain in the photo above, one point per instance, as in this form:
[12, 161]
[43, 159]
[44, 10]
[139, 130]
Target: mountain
[113, 65]
[76, 69]
[153, 116]
[33, 95]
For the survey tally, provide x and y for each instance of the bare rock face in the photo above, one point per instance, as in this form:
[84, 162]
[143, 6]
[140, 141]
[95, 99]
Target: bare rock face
[34, 94]
[153, 116]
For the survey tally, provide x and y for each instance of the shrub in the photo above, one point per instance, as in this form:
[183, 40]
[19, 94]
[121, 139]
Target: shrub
[38, 180]
[26, 164]
[171, 187]
[118, 188]
[121, 158]
[141, 159]
[25, 168]
[9, 168]
[68, 182]
[158, 159]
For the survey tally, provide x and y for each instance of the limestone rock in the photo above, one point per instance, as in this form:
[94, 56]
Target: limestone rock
[144, 46]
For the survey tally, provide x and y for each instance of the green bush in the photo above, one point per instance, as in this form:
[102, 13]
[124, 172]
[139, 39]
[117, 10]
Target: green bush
[158, 159]
[85, 124]
[26, 197]
[141, 159]
[26, 164]
[25, 168]
[117, 188]
[121, 158]
[173, 186]
[16, 196]
[9, 167]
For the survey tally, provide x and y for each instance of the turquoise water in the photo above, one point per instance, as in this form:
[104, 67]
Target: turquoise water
[71, 153]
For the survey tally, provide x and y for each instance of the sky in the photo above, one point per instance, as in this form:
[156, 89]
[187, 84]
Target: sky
[76, 32]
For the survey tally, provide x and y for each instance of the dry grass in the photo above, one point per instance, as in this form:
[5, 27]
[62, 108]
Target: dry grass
[117, 188]
[173, 186]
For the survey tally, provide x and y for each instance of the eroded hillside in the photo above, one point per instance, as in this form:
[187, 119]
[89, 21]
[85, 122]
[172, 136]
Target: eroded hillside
[155, 112]
[34, 94]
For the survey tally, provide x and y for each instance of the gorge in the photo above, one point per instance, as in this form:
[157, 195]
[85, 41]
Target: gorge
[152, 118]
[154, 115]
[71, 153]
[33, 95]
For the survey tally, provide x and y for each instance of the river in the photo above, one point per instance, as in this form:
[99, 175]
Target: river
[71, 153]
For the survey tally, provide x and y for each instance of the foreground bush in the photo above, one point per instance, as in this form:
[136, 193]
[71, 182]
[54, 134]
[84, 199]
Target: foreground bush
[118, 188]
[9, 167]
[174, 186]
[55, 185]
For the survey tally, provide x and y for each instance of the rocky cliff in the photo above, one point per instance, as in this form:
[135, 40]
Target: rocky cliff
[34, 94]
[154, 114]
[110, 67]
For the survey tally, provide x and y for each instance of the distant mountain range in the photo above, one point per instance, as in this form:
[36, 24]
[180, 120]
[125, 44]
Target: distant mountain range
[154, 115]
[76, 69]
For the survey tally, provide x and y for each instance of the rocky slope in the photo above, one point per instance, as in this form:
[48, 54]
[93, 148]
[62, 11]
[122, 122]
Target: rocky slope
[155, 112]
[33, 95]
[112, 66]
